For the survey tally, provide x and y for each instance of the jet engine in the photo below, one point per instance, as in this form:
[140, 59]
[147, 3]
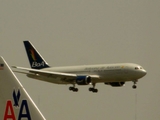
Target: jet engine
[83, 80]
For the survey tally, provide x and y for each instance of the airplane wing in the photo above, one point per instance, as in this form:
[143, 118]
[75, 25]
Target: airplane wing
[64, 77]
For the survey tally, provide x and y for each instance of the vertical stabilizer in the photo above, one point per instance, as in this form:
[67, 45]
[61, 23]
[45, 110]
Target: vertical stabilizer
[35, 59]
[15, 103]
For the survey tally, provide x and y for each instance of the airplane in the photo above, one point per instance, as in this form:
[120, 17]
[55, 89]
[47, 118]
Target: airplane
[15, 102]
[110, 74]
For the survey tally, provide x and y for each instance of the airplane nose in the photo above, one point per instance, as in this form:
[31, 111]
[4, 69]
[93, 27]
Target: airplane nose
[144, 72]
[141, 73]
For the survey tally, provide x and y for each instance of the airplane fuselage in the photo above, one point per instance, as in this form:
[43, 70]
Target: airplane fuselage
[120, 72]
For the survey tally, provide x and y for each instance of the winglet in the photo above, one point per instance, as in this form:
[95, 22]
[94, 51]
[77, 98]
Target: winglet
[15, 103]
[34, 57]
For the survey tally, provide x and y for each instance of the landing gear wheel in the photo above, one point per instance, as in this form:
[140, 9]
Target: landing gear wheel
[75, 90]
[71, 88]
[134, 86]
[90, 89]
[95, 90]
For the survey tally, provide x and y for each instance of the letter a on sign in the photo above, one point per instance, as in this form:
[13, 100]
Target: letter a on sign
[24, 107]
[9, 113]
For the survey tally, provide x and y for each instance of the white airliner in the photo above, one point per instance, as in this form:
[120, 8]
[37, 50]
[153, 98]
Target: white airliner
[15, 103]
[111, 74]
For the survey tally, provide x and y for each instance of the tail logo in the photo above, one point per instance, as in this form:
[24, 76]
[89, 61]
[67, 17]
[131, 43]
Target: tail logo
[32, 53]
[23, 108]
[16, 98]
[36, 64]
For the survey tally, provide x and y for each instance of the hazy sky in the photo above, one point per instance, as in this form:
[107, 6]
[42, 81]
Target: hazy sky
[78, 32]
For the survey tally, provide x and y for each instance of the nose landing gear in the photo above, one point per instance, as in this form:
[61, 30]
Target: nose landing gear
[134, 85]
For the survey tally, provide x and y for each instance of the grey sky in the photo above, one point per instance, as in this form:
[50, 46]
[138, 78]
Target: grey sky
[77, 32]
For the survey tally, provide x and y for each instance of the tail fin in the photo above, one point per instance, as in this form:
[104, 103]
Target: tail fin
[15, 103]
[35, 59]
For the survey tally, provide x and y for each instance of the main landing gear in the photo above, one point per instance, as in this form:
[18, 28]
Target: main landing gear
[134, 85]
[93, 89]
[73, 89]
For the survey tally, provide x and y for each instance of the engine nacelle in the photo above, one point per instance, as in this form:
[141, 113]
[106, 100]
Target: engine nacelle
[83, 80]
[116, 84]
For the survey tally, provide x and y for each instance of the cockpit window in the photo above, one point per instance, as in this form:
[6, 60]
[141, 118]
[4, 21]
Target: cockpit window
[136, 68]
